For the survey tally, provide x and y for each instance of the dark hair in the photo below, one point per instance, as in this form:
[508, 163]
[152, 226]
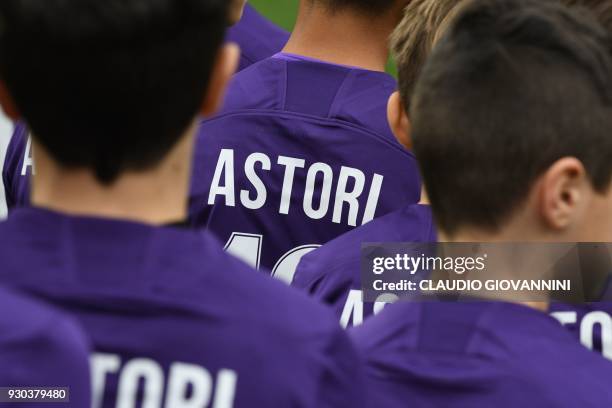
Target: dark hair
[109, 85]
[372, 7]
[512, 87]
[601, 9]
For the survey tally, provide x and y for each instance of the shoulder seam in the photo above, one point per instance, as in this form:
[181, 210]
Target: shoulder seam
[279, 113]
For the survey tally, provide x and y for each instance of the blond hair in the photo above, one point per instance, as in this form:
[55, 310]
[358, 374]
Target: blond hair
[414, 38]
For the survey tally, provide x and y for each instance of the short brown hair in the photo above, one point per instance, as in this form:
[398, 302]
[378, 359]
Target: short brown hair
[511, 87]
[414, 38]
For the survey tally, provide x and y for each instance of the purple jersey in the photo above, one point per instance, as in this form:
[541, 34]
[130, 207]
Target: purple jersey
[301, 154]
[591, 324]
[18, 168]
[465, 355]
[257, 37]
[40, 347]
[168, 311]
[332, 273]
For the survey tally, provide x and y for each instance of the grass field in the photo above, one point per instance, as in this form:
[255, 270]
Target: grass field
[283, 12]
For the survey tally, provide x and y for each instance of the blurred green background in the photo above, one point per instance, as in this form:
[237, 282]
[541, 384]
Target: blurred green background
[283, 12]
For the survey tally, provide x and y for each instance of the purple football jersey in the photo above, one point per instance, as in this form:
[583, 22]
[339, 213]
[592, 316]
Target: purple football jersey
[332, 273]
[257, 37]
[40, 347]
[479, 354]
[591, 324]
[301, 154]
[18, 168]
[177, 322]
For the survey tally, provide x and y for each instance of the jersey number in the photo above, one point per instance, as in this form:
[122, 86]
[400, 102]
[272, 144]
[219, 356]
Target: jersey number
[247, 247]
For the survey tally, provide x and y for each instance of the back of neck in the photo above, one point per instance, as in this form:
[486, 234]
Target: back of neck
[505, 268]
[157, 196]
[134, 197]
[344, 38]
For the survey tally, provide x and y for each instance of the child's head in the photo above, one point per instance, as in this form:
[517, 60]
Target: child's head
[111, 86]
[511, 122]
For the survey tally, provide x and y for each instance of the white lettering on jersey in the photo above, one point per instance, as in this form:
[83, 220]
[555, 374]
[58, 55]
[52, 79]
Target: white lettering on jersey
[226, 389]
[153, 381]
[370, 210]
[353, 310]
[587, 328]
[101, 365]
[290, 164]
[349, 197]
[181, 377]
[28, 158]
[246, 247]
[148, 375]
[317, 200]
[311, 178]
[565, 318]
[352, 313]
[259, 186]
[225, 166]
[286, 267]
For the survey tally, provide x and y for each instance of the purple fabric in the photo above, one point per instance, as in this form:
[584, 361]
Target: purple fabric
[330, 118]
[257, 37]
[40, 347]
[465, 355]
[287, 56]
[16, 175]
[156, 299]
[323, 119]
[591, 324]
[332, 273]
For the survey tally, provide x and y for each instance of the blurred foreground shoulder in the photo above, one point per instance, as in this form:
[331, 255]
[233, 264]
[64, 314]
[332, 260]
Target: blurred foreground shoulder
[41, 347]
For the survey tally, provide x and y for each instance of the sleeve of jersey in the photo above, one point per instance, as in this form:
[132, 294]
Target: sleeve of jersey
[342, 382]
[315, 277]
[55, 356]
[257, 37]
[306, 278]
[327, 282]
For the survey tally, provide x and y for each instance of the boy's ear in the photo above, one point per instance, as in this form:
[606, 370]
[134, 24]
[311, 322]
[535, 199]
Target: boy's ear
[563, 193]
[399, 121]
[8, 106]
[225, 67]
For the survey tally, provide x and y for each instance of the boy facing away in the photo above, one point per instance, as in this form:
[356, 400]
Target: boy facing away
[302, 152]
[174, 321]
[332, 274]
[510, 122]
